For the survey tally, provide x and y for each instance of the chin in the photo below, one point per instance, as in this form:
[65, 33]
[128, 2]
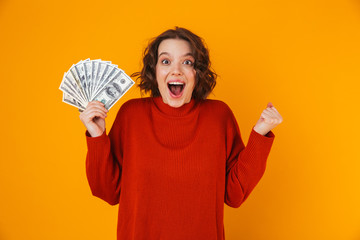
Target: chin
[176, 103]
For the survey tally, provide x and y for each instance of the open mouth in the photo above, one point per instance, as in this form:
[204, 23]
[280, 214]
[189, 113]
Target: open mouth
[176, 88]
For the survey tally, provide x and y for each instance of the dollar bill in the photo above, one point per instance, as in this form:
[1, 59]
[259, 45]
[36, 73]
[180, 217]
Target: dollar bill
[88, 76]
[75, 76]
[80, 70]
[95, 66]
[100, 72]
[109, 73]
[75, 86]
[72, 101]
[114, 90]
[67, 87]
[90, 80]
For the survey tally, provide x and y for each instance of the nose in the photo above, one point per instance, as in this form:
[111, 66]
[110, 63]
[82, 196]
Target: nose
[176, 70]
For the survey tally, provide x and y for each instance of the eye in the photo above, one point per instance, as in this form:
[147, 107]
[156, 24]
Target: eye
[188, 62]
[165, 61]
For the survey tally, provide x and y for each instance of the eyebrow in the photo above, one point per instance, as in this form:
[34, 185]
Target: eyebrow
[185, 55]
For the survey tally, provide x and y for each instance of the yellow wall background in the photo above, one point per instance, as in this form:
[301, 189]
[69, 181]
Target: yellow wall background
[303, 56]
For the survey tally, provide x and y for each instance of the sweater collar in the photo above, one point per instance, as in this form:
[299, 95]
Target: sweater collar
[172, 111]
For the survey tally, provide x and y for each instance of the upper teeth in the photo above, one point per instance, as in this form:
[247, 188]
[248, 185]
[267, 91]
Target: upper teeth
[176, 83]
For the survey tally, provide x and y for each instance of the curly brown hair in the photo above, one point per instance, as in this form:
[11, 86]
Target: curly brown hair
[205, 80]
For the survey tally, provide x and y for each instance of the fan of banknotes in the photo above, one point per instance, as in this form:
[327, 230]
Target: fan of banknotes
[91, 80]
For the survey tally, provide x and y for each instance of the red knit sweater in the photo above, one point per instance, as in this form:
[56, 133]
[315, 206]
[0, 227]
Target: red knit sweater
[172, 169]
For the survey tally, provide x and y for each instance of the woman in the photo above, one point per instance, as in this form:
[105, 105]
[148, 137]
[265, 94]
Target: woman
[171, 160]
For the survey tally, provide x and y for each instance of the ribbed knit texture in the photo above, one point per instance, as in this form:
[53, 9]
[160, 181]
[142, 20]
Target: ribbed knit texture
[172, 169]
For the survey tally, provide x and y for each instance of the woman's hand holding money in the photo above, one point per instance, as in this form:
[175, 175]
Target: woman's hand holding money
[94, 118]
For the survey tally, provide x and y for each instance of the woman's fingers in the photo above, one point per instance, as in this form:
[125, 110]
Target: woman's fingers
[265, 114]
[271, 110]
[267, 117]
[96, 113]
[97, 104]
[269, 105]
[272, 114]
[97, 108]
[91, 113]
[94, 106]
[93, 117]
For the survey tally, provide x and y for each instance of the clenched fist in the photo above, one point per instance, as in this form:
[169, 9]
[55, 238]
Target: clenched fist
[269, 119]
[93, 117]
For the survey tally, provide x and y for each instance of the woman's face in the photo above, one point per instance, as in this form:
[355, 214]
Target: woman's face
[175, 73]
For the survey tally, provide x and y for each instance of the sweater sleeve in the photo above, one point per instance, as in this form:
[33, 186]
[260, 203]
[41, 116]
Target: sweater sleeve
[244, 165]
[104, 163]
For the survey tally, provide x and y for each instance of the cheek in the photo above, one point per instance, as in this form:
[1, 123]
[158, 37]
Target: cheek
[192, 76]
[160, 78]
[160, 73]
[194, 72]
